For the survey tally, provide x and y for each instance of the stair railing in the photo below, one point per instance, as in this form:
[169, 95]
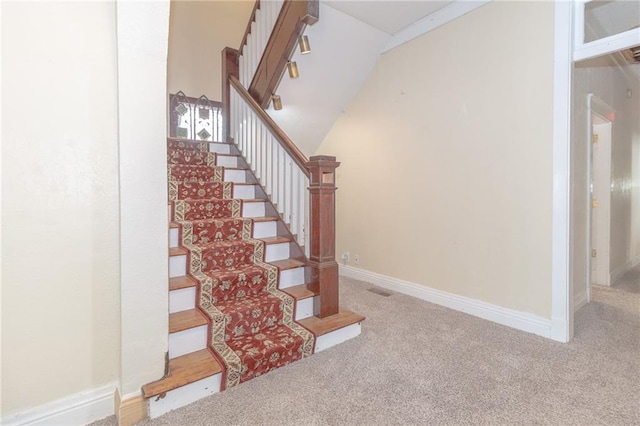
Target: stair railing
[277, 163]
[270, 39]
[302, 190]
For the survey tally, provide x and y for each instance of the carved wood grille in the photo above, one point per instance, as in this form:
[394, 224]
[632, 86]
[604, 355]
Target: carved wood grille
[195, 118]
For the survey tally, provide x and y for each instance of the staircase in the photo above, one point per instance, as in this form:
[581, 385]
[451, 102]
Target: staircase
[239, 303]
[253, 282]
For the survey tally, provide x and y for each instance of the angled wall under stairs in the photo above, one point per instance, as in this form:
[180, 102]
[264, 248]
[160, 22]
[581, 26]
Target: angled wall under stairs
[239, 304]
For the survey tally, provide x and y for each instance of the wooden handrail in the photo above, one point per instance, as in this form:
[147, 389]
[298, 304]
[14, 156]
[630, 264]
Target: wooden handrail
[247, 31]
[286, 143]
[294, 16]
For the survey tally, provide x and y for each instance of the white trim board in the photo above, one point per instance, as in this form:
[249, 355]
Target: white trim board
[79, 409]
[561, 284]
[498, 314]
[580, 301]
[433, 21]
[623, 269]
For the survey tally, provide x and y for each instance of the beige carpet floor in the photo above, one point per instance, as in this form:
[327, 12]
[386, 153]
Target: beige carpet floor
[419, 363]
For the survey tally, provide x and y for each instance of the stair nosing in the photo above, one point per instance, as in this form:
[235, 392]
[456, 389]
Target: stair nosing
[171, 381]
[342, 319]
[181, 282]
[196, 320]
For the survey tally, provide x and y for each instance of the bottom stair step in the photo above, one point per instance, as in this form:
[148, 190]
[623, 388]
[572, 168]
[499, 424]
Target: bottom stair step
[334, 329]
[182, 371]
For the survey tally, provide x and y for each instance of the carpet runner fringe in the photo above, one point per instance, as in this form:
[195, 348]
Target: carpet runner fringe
[252, 323]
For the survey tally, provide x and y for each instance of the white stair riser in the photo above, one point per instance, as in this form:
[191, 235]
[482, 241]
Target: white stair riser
[246, 192]
[260, 230]
[187, 341]
[226, 161]
[304, 308]
[336, 337]
[265, 229]
[291, 277]
[184, 395]
[256, 209]
[182, 300]
[173, 237]
[177, 266]
[221, 148]
[239, 176]
[275, 252]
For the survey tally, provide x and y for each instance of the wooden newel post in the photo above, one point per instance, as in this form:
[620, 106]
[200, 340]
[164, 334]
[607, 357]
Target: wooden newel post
[322, 256]
[229, 67]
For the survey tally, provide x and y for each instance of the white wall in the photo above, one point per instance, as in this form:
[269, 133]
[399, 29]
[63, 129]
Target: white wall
[446, 175]
[602, 77]
[199, 30]
[143, 31]
[60, 265]
[343, 52]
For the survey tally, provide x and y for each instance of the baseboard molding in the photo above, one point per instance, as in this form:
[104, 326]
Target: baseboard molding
[498, 314]
[79, 409]
[623, 269]
[580, 301]
[131, 409]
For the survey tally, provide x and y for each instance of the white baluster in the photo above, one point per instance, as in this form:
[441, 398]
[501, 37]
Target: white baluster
[288, 180]
[307, 245]
[269, 168]
[300, 208]
[295, 171]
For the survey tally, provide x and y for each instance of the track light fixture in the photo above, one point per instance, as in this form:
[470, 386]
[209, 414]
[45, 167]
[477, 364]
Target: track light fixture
[277, 102]
[293, 69]
[303, 41]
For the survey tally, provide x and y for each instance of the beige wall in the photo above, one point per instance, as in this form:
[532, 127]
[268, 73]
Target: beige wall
[60, 270]
[603, 78]
[199, 30]
[446, 175]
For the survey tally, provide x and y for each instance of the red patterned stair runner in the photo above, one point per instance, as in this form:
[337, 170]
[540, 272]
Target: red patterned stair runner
[252, 323]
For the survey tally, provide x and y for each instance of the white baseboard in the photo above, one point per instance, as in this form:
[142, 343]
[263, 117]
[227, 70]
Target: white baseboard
[623, 269]
[579, 301]
[79, 409]
[505, 316]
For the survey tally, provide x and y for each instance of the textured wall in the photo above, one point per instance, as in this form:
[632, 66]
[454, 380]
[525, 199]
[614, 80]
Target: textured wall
[446, 176]
[199, 30]
[60, 267]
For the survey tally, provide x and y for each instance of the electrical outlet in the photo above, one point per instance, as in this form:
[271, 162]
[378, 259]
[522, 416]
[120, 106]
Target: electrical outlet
[345, 257]
[356, 258]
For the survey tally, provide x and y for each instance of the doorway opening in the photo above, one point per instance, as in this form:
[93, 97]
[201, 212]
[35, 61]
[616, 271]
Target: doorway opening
[599, 136]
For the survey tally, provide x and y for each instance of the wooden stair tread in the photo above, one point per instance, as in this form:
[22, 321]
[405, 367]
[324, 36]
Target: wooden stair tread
[183, 370]
[275, 240]
[299, 292]
[265, 219]
[177, 251]
[323, 326]
[285, 264]
[177, 283]
[218, 154]
[253, 200]
[244, 183]
[236, 168]
[174, 225]
[184, 320]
